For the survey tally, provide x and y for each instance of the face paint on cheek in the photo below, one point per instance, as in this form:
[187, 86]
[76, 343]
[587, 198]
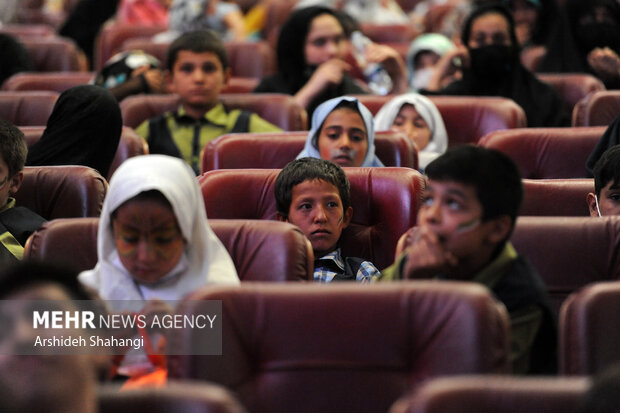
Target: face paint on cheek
[168, 249]
[125, 248]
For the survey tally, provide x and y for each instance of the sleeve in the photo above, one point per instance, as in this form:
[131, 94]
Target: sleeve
[395, 271]
[367, 273]
[258, 124]
[143, 130]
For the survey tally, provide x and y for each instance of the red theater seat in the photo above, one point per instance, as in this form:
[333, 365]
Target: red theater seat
[467, 119]
[597, 109]
[345, 347]
[27, 108]
[112, 36]
[55, 54]
[275, 150]
[261, 251]
[22, 31]
[52, 81]
[556, 197]
[384, 201]
[62, 191]
[572, 87]
[546, 152]
[281, 110]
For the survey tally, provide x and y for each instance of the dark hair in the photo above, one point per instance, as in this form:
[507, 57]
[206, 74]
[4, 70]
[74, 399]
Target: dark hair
[345, 104]
[607, 169]
[197, 41]
[309, 169]
[13, 147]
[489, 8]
[493, 174]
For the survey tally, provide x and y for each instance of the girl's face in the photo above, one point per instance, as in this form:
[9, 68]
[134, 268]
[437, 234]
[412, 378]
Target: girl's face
[148, 238]
[343, 138]
[325, 40]
[410, 122]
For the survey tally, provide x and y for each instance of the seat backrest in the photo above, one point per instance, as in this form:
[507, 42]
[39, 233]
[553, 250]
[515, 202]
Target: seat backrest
[384, 200]
[131, 144]
[546, 152]
[346, 348]
[556, 197]
[62, 191]
[27, 108]
[467, 118]
[588, 331]
[245, 59]
[112, 36]
[54, 54]
[597, 109]
[261, 251]
[572, 87]
[27, 30]
[281, 110]
[53, 81]
[493, 393]
[275, 150]
[570, 252]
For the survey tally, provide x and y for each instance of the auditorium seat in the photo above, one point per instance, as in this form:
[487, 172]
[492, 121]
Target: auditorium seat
[55, 54]
[112, 36]
[384, 200]
[341, 348]
[589, 329]
[597, 109]
[281, 110]
[495, 393]
[384, 33]
[556, 197]
[261, 251]
[572, 87]
[52, 81]
[22, 31]
[570, 252]
[245, 59]
[62, 191]
[275, 150]
[467, 118]
[131, 144]
[546, 152]
[27, 108]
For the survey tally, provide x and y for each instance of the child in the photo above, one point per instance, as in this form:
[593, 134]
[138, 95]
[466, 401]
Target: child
[342, 132]
[468, 211]
[197, 71]
[16, 223]
[605, 200]
[419, 118]
[314, 194]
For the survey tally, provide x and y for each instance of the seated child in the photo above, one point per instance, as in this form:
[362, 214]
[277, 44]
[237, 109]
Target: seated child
[197, 70]
[342, 132]
[16, 223]
[314, 194]
[468, 211]
[606, 197]
[419, 118]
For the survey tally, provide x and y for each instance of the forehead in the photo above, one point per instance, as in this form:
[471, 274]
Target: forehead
[137, 211]
[315, 188]
[345, 117]
[198, 58]
[324, 25]
[445, 187]
[490, 23]
[407, 109]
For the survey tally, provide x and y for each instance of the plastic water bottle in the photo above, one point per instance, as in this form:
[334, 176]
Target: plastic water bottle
[379, 82]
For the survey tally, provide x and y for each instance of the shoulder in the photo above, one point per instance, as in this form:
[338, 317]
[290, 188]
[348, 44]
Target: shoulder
[258, 124]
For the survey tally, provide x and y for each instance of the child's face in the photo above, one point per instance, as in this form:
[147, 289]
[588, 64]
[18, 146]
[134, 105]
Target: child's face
[198, 78]
[148, 238]
[8, 184]
[343, 139]
[410, 122]
[325, 40]
[608, 200]
[316, 208]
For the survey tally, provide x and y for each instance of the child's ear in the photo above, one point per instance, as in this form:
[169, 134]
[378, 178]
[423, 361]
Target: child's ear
[281, 217]
[346, 217]
[591, 200]
[500, 228]
[16, 182]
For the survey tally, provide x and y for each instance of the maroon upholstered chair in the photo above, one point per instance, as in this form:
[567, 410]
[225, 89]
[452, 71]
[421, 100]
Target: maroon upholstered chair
[275, 150]
[62, 191]
[111, 38]
[597, 109]
[27, 108]
[556, 197]
[546, 152]
[261, 251]
[53, 81]
[572, 87]
[384, 201]
[281, 110]
[494, 393]
[131, 144]
[589, 332]
[54, 54]
[27, 30]
[570, 252]
[467, 118]
[346, 348]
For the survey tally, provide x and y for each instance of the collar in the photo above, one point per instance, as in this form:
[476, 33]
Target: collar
[9, 204]
[216, 116]
[332, 257]
[490, 274]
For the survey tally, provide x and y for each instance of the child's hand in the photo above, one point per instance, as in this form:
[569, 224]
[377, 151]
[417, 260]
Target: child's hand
[392, 62]
[426, 256]
[605, 63]
[327, 74]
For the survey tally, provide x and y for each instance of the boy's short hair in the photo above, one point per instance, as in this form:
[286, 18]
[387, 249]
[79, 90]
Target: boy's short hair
[493, 174]
[197, 41]
[13, 149]
[607, 169]
[309, 169]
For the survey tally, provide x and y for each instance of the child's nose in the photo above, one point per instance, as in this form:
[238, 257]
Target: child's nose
[320, 215]
[345, 141]
[145, 251]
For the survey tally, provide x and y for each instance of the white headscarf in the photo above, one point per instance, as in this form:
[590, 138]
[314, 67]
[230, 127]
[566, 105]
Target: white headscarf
[318, 117]
[431, 42]
[205, 260]
[429, 112]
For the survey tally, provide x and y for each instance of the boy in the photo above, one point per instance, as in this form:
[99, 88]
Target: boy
[605, 200]
[314, 194]
[197, 70]
[468, 211]
[16, 223]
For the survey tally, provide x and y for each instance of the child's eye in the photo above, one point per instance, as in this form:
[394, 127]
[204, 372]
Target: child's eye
[304, 206]
[209, 67]
[614, 197]
[358, 137]
[427, 201]
[129, 239]
[333, 204]
[186, 68]
[454, 204]
[419, 123]
[333, 136]
[320, 42]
